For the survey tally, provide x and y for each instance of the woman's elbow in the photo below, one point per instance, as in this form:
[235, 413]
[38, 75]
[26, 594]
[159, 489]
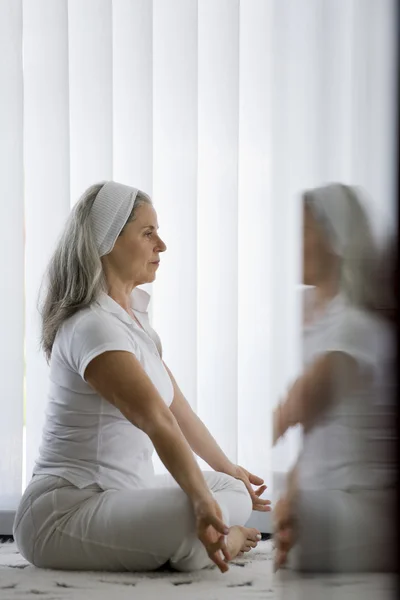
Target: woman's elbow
[151, 420]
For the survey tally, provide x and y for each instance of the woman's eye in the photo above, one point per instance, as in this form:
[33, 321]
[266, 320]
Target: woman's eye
[149, 233]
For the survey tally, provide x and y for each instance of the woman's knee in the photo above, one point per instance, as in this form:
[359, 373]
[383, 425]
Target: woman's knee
[242, 495]
[240, 487]
[219, 482]
[234, 499]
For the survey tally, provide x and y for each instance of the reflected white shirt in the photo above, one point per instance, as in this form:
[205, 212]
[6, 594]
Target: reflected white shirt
[349, 448]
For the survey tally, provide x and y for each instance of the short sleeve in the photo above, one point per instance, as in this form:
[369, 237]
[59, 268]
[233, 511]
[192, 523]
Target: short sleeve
[355, 335]
[93, 335]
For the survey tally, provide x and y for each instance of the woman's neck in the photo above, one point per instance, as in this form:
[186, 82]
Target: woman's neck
[121, 293]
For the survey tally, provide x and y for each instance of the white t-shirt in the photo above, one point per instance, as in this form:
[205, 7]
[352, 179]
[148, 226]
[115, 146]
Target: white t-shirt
[86, 439]
[350, 447]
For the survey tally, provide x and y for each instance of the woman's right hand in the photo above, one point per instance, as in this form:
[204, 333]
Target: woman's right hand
[211, 531]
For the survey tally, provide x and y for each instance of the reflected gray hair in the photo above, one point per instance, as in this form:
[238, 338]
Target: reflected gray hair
[74, 277]
[339, 211]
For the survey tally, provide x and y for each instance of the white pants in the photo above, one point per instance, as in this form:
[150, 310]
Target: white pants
[59, 526]
[341, 532]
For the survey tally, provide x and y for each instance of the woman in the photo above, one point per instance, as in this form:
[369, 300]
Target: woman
[338, 509]
[94, 501]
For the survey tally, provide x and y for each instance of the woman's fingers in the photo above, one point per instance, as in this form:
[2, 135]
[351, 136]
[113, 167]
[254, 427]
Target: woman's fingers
[221, 548]
[225, 551]
[284, 538]
[260, 504]
[260, 491]
[211, 531]
[249, 479]
[218, 553]
[219, 525]
[219, 561]
[283, 543]
[255, 480]
[261, 507]
[280, 559]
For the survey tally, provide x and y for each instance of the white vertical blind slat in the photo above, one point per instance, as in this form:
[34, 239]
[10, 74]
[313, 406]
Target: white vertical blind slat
[334, 99]
[295, 166]
[217, 214]
[133, 93]
[90, 93]
[175, 152]
[375, 100]
[12, 252]
[46, 158]
[384, 110]
[132, 96]
[255, 252]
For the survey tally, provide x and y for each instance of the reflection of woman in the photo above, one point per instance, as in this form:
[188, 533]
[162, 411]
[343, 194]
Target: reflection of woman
[94, 501]
[338, 508]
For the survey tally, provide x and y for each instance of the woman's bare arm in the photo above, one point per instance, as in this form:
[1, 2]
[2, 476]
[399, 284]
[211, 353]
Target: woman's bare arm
[331, 375]
[118, 377]
[199, 438]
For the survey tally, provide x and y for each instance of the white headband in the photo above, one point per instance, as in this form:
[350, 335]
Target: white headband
[110, 212]
[330, 206]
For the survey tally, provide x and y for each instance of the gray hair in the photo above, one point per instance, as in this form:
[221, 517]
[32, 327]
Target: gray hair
[340, 213]
[74, 277]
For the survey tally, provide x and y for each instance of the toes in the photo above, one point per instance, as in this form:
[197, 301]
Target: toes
[254, 535]
[249, 545]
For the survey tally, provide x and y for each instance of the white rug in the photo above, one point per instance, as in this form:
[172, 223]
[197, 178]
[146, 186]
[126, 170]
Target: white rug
[248, 578]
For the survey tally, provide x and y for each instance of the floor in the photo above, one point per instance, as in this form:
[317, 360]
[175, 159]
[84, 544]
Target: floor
[248, 578]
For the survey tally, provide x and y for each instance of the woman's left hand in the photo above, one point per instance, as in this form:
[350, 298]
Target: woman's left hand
[249, 480]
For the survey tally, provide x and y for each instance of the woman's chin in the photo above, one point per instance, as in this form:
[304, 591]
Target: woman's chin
[145, 280]
[150, 278]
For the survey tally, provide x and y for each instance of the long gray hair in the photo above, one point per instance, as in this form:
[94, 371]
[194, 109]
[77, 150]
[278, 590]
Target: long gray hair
[74, 277]
[344, 220]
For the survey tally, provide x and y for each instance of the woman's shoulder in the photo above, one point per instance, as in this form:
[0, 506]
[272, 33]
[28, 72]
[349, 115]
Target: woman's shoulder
[86, 322]
[84, 317]
[87, 333]
[366, 333]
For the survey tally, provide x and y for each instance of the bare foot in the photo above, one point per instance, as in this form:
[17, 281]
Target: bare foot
[241, 539]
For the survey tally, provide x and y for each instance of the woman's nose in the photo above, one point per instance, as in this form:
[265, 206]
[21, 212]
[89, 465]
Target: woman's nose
[161, 246]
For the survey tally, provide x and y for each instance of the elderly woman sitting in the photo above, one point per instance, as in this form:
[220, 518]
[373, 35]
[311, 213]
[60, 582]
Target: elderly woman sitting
[94, 501]
[338, 510]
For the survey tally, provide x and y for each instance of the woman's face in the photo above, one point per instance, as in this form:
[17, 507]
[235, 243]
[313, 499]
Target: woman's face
[136, 253]
[316, 252]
